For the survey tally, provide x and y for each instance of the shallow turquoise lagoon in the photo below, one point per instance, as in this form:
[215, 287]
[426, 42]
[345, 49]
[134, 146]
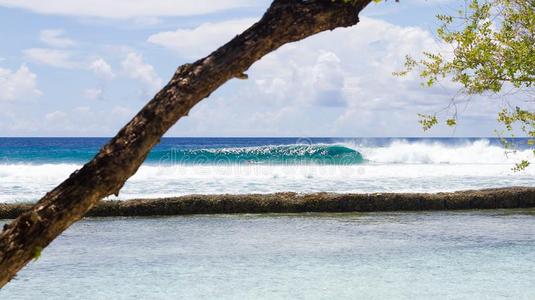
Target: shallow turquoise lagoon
[431, 255]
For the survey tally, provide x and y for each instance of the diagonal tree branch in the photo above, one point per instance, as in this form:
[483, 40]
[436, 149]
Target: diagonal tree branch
[284, 22]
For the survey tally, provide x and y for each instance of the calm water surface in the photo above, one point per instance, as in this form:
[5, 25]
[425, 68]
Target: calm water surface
[433, 255]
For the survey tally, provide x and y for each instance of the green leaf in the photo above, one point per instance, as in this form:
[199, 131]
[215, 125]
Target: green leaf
[427, 121]
[451, 122]
[37, 253]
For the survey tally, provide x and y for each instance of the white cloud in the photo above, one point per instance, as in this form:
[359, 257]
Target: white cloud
[123, 9]
[201, 40]
[122, 112]
[52, 57]
[134, 67]
[92, 94]
[318, 80]
[55, 38]
[56, 116]
[66, 59]
[147, 21]
[80, 120]
[102, 69]
[336, 83]
[18, 84]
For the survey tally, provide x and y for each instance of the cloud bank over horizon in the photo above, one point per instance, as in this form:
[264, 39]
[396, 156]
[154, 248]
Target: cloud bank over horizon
[127, 9]
[85, 77]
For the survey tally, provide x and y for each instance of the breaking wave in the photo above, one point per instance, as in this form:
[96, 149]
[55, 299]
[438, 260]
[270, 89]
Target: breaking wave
[400, 165]
[470, 152]
[285, 154]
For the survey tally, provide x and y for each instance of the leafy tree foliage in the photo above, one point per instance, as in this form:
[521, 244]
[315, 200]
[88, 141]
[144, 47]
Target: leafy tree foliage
[493, 52]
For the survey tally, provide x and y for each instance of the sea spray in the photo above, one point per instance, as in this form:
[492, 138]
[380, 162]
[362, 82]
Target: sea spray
[480, 151]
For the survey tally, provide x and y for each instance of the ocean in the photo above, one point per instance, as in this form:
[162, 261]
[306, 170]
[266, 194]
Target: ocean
[476, 254]
[29, 167]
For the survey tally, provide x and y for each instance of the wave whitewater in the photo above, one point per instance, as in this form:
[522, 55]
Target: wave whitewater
[399, 166]
[396, 152]
[469, 152]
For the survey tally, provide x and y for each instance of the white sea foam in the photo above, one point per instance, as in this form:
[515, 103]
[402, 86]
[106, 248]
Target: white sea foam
[474, 152]
[400, 166]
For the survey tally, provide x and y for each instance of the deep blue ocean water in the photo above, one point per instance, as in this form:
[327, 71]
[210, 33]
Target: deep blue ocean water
[79, 150]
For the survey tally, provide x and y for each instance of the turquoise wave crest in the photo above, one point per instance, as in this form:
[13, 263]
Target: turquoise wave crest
[285, 154]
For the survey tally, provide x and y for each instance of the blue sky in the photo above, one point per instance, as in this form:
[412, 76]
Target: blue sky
[84, 68]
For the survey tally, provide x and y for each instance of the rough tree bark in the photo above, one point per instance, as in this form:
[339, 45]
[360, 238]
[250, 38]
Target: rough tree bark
[285, 21]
